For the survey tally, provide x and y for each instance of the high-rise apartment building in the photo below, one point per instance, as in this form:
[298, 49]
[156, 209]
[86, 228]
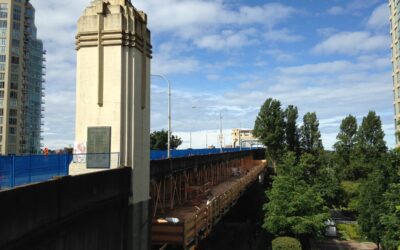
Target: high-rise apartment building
[21, 79]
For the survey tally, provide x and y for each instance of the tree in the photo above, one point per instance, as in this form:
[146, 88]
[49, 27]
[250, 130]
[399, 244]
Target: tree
[379, 198]
[310, 135]
[159, 140]
[370, 206]
[391, 218]
[370, 137]
[294, 208]
[345, 147]
[291, 130]
[269, 127]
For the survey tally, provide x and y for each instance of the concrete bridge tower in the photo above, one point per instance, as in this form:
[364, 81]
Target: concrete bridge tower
[113, 98]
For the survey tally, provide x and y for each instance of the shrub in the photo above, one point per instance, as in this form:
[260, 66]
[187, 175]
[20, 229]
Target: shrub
[349, 231]
[286, 243]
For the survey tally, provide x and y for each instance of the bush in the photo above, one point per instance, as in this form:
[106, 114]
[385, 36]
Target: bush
[350, 232]
[286, 243]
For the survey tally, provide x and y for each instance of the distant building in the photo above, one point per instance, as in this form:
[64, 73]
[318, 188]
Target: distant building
[244, 138]
[394, 6]
[21, 79]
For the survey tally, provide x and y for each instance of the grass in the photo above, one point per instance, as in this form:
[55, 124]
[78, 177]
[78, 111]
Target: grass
[350, 232]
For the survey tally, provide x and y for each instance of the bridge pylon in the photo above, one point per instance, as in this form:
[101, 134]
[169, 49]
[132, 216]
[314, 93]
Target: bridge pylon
[113, 99]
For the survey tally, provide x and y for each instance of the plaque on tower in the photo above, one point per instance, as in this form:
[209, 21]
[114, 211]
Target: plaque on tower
[98, 147]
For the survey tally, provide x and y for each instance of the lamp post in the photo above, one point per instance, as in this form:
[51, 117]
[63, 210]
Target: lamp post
[169, 113]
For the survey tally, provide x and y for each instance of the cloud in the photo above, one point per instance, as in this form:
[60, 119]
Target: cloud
[336, 10]
[282, 35]
[214, 25]
[351, 7]
[280, 55]
[227, 39]
[352, 43]
[380, 17]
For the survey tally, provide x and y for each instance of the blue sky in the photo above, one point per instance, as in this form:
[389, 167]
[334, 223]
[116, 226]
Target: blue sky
[329, 57]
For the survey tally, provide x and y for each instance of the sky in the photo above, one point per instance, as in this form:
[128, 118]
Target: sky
[329, 57]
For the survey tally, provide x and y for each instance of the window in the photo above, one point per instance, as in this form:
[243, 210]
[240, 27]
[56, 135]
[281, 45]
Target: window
[15, 42]
[13, 95]
[2, 58]
[14, 77]
[12, 139]
[1, 112]
[16, 26]
[14, 68]
[16, 34]
[15, 50]
[1, 85]
[13, 130]
[2, 49]
[12, 121]
[15, 60]
[3, 10]
[1, 130]
[14, 86]
[13, 112]
[3, 23]
[1, 94]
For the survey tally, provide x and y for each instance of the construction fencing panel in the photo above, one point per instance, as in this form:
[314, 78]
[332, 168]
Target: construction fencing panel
[162, 154]
[21, 170]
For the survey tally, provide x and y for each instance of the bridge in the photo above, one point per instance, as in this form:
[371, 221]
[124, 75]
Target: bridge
[92, 211]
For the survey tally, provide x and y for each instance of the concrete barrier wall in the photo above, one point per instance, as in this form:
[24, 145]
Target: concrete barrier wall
[81, 212]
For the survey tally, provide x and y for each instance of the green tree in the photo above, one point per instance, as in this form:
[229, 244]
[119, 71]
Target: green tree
[269, 127]
[376, 198]
[299, 196]
[391, 218]
[159, 140]
[371, 206]
[310, 135]
[294, 208]
[345, 147]
[291, 130]
[370, 137]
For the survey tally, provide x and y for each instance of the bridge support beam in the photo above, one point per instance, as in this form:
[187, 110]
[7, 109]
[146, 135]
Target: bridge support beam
[113, 99]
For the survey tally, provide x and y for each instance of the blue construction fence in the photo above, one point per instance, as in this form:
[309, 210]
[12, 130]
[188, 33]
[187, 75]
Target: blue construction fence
[162, 154]
[21, 170]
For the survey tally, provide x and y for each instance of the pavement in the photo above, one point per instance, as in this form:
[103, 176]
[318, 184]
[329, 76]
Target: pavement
[335, 244]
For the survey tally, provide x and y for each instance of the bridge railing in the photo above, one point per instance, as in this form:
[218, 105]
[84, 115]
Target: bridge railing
[162, 154]
[20, 170]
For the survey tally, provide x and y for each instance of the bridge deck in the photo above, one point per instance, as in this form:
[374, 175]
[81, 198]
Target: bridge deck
[196, 218]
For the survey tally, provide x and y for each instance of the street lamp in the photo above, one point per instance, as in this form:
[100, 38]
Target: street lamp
[169, 113]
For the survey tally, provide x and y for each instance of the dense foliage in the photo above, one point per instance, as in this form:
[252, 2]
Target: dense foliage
[286, 243]
[270, 129]
[361, 176]
[159, 140]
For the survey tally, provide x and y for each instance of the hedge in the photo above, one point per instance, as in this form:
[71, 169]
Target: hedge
[286, 243]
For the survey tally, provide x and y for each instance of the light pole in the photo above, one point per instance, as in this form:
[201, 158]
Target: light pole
[169, 113]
